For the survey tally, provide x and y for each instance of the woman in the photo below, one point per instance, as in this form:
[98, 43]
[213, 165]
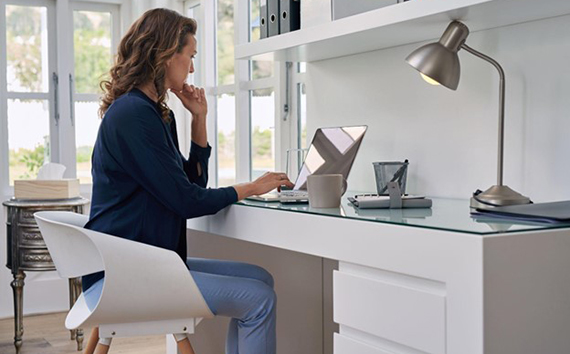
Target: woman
[144, 189]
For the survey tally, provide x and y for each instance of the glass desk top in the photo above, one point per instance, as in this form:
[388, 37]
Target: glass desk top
[445, 214]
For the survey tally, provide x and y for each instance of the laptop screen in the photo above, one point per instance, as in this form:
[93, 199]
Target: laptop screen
[332, 150]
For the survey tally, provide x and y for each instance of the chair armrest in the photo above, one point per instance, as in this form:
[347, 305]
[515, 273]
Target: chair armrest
[72, 252]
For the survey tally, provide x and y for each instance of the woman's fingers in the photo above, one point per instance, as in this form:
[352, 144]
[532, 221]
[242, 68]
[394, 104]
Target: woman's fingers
[194, 91]
[197, 93]
[282, 179]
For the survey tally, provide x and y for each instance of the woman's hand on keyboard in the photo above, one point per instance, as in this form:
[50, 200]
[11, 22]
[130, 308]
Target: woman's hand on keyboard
[266, 183]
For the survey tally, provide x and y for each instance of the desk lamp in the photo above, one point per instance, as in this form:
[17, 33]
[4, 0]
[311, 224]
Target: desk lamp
[438, 63]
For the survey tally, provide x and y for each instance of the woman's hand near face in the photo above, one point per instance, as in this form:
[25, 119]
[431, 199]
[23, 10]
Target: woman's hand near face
[194, 99]
[266, 183]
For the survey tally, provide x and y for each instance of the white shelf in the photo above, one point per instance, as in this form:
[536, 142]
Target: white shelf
[399, 24]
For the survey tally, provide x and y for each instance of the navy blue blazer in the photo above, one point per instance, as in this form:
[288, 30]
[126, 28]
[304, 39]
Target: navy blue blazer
[143, 188]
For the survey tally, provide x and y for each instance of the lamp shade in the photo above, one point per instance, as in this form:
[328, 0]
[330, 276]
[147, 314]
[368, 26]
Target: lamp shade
[439, 60]
[438, 63]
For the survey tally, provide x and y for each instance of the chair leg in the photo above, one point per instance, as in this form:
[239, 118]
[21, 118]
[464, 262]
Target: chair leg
[184, 346]
[102, 349]
[92, 341]
[72, 298]
[103, 346]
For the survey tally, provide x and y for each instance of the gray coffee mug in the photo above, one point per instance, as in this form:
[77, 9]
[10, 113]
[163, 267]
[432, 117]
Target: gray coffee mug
[325, 191]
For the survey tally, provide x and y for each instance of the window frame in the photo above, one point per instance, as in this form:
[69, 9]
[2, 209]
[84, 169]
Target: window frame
[286, 123]
[6, 95]
[61, 57]
[74, 97]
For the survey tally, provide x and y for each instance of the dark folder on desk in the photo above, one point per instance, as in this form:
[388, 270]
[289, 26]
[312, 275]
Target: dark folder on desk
[544, 212]
[290, 15]
[273, 17]
[263, 18]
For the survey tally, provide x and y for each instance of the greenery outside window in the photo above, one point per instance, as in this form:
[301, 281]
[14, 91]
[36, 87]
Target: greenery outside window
[94, 44]
[27, 33]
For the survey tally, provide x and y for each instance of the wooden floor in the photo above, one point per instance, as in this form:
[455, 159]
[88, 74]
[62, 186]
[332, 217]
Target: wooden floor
[46, 334]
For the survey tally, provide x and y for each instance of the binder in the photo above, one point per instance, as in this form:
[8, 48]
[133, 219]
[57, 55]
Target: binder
[273, 17]
[290, 19]
[263, 18]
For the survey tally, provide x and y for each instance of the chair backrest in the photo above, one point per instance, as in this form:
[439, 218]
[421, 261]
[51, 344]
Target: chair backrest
[142, 283]
[72, 252]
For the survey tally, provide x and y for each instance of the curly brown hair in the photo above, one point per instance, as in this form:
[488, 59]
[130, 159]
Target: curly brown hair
[143, 52]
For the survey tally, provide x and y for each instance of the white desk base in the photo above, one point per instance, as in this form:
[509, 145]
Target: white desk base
[411, 290]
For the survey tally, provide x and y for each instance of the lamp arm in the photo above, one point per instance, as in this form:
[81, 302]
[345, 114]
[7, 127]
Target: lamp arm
[501, 107]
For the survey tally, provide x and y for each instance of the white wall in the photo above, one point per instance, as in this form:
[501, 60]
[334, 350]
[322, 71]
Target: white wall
[450, 137]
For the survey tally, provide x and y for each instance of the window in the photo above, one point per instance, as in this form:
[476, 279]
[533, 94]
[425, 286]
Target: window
[46, 108]
[250, 130]
[262, 132]
[194, 11]
[262, 105]
[27, 108]
[302, 116]
[93, 49]
[226, 147]
[225, 42]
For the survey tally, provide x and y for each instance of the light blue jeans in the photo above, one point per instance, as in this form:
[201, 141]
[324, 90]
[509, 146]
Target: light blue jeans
[241, 291]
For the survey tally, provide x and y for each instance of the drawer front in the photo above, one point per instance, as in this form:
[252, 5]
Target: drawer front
[26, 215]
[35, 259]
[346, 345]
[400, 314]
[30, 236]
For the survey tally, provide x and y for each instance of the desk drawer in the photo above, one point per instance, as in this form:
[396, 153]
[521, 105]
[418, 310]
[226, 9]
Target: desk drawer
[407, 316]
[346, 345]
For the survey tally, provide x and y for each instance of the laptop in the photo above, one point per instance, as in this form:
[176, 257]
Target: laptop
[332, 150]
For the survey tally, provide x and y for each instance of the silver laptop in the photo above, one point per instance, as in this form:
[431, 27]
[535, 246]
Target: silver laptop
[332, 150]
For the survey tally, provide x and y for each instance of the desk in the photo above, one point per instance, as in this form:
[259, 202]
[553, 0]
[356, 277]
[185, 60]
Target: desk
[424, 281]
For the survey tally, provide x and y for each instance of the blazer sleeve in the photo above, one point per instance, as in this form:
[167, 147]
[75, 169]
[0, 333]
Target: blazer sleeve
[140, 142]
[198, 156]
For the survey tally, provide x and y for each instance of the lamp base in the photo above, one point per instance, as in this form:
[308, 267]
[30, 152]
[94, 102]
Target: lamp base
[497, 196]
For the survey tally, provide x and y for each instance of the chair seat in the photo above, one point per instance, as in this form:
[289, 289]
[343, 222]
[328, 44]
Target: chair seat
[146, 289]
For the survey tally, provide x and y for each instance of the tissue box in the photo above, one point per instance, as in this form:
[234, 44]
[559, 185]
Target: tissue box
[46, 189]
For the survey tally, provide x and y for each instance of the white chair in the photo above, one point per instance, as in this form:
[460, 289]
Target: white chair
[147, 290]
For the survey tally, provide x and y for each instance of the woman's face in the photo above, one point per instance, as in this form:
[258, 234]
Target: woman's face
[180, 65]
